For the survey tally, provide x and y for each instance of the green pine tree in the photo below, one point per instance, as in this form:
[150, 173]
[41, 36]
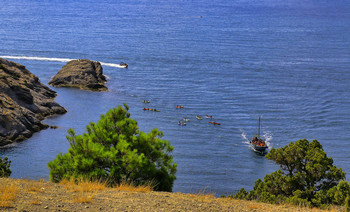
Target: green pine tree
[114, 149]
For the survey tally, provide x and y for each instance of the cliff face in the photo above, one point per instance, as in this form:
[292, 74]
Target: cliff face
[84, 74]
[24, 102]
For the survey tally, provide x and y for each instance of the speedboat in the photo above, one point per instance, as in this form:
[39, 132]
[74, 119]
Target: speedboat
[257, 143]
[208, 117]
[186, 119]
[124, 65]
[145, 101]
[179, 106]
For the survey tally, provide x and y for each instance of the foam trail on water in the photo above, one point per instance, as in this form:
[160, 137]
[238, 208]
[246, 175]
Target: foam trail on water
[54, 60]
[268, 137]
[111, 65]
[246, 140]
[244, 136]
[36, 58]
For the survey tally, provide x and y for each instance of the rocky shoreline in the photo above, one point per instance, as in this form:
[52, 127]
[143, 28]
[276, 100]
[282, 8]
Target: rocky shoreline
[24, 103]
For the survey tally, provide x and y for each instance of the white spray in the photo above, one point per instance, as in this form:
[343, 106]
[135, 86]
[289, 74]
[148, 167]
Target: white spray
[63, 60]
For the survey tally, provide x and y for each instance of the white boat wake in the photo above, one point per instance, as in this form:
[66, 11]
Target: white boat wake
[112, 65]
[244, 136]
[63, 60]
[268, 137]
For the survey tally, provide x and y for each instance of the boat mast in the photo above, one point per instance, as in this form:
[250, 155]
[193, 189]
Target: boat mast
[259, 128]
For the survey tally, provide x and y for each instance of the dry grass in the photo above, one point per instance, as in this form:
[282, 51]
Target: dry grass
[332, 208]
[83, 185]
[129, 186]
[83, 197]
[203, 195]
[89, 186]
[34, 189]
[87, 189]
[254, 207]
[8, 193]
[68, 184]
[35, 202]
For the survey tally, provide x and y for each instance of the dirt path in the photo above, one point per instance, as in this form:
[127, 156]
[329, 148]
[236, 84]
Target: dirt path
[45, 196]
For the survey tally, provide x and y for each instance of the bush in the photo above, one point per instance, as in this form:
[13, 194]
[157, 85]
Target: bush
[341, 192]
[335, 195]
[347, 203]
[5, 170]
[242, 194]
[298, 198]
[116, 151]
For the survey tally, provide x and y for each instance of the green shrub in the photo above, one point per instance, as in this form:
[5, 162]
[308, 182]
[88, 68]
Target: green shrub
[114, 150]
[242, 194]
[5, 170]
[267, 197]
[347, 203]
[299, 199]
[341, 192]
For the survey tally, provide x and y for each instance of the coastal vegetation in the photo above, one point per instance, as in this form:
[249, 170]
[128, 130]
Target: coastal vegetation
[307, 177]
[114, 150]
[5, 170]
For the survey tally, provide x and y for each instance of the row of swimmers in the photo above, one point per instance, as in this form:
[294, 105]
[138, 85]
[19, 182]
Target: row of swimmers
[151, 109]
[183, 123]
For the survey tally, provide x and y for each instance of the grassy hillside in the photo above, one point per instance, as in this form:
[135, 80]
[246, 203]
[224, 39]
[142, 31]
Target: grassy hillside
[29, 195]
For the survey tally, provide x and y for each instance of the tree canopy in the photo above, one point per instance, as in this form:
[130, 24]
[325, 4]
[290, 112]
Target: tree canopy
[114, 149]
[307, 176]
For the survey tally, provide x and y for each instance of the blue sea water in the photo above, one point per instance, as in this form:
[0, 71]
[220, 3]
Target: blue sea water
[288, 61]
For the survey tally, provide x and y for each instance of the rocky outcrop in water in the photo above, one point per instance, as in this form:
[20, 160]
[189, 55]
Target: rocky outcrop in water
[84, 74]
[24, 103]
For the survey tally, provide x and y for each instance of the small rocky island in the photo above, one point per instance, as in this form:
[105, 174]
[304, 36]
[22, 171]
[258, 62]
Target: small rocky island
[24, 103]
[82, 73]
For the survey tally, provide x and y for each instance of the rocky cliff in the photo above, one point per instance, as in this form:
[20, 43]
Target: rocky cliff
[24, 103]
[84, 74]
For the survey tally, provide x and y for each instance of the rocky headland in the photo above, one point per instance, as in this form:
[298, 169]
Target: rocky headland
[82, 73]
[24, 103]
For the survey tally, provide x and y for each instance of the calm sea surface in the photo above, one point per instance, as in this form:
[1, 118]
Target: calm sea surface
[288, 61]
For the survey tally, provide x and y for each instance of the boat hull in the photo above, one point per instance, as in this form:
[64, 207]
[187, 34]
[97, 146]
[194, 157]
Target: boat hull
[258, 148]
